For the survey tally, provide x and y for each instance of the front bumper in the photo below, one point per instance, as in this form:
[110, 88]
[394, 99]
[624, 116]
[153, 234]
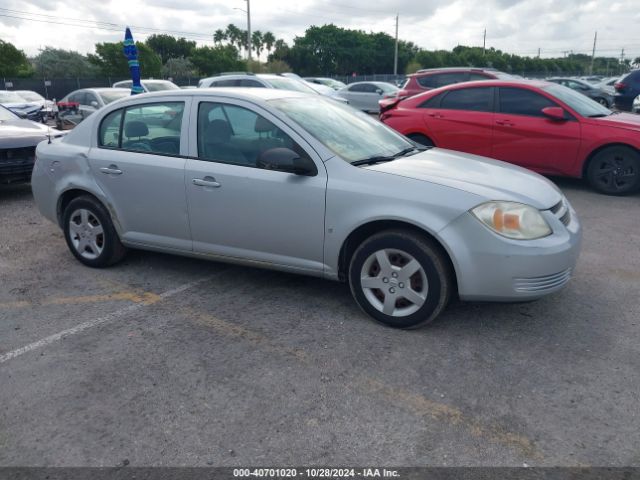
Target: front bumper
[16, 164]
[490, 267]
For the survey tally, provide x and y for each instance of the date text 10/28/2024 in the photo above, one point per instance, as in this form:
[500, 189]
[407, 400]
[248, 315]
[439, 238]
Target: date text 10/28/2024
[315, 472]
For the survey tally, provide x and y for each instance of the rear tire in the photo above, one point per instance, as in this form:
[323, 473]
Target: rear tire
[400, 279]
[615, 170]
[90, 233]
[602, 101]
[421, 139]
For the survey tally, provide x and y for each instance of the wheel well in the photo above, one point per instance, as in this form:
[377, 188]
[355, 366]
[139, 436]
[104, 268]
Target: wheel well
[585, 166]
[66, 198]
[363, 232]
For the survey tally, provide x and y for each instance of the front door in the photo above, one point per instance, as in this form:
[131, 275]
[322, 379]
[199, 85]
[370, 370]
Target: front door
[525, 136]
[240, 209]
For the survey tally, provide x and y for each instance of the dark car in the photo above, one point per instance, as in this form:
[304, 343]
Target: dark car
[430, 78]
[18, 140]
[627, 89]
[594, 92]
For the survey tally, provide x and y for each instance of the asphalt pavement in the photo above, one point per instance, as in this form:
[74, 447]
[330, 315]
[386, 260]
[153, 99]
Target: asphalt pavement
[171, 361]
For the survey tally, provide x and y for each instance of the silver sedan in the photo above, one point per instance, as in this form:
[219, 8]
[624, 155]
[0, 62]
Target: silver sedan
[297, 182]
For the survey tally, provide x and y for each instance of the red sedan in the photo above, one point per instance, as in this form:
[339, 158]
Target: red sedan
[538, 125]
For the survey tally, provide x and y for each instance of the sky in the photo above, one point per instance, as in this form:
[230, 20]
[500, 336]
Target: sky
[515, 26]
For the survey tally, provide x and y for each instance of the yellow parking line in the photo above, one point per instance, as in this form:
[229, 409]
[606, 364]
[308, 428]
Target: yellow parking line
[146, 298]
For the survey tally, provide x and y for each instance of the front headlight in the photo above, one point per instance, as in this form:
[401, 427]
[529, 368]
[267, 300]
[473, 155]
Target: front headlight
[512, 220]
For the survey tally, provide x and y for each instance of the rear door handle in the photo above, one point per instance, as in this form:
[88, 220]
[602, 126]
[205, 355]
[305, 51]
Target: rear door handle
[206, 182]
[111, 170]
[435, 115]
[506, 123]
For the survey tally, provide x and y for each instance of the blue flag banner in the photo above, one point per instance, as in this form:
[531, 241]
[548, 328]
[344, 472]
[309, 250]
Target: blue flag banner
[131, 52]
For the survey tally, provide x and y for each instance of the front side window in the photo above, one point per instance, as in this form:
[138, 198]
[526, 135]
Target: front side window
[149, 128]
[473, 99]
[232, 134]
[519, 101]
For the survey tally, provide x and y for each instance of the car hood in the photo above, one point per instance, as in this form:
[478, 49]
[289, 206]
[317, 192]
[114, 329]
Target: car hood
[491, 179]
[23, 106]
[24, 133]
[620, 120]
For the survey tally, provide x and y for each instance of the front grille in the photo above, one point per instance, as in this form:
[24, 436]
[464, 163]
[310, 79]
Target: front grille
[562, 212]
[17, 162]
[543, 283]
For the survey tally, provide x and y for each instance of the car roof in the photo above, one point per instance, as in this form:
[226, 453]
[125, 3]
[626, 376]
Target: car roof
[240, 93]
[493, 83]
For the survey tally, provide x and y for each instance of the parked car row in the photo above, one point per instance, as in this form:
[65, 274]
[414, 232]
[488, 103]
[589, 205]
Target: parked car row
[27, 104]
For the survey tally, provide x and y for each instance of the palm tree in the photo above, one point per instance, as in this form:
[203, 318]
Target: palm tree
[257, 42]
[234, 35]
[268, 39]
[219, 36]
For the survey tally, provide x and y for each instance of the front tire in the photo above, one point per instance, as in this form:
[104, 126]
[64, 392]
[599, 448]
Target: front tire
[90, 233]
[400, 279]
[615, 170]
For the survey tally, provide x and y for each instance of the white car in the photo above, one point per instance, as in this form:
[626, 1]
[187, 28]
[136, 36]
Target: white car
[300, 183]
[149, 85]
[635, 106]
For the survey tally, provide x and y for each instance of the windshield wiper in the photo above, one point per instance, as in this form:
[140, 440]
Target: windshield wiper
[598, 115]
[383, 158]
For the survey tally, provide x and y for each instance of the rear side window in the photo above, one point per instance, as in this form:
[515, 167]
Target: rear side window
[109, 133]
[251, 83]
[441, 79]
[472, 99]
[433, 102]
[148, 128]
[225, 83]
[478, 76]
[518, 101]
[361, 87]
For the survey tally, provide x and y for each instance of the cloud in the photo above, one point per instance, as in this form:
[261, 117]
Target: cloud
[517, 26]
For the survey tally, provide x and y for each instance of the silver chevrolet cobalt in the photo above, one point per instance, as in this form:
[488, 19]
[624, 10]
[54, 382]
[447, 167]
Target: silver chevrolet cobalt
[293, 182]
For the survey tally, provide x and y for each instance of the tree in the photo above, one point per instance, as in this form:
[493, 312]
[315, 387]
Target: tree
[178, 68]
[257, 42]
[167, 46]
[234, 35]
[212, 60]
[219, 36]
[269, 39]
[58, 63]
[13, 62]
[110, 59]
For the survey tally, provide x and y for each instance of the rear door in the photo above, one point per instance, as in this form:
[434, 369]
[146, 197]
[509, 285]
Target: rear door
[525, 136]
[462, 119]
[139, 164]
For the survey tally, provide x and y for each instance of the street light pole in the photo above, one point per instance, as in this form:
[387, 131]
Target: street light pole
[249, 29]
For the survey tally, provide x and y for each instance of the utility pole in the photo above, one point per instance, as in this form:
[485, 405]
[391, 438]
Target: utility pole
[249, 28]
[484, 41]
[593, 53]
[395, 57]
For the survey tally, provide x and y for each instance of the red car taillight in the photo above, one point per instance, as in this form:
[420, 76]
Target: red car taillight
[619, 86]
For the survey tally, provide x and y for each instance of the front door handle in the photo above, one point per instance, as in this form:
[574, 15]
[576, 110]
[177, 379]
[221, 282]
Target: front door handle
[111, 170]
[505, 123]
[206, 182]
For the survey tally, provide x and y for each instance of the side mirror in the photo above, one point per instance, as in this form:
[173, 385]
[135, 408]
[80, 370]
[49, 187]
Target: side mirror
[94, 104]
[379, 91]
[286, 160]
[554, 113]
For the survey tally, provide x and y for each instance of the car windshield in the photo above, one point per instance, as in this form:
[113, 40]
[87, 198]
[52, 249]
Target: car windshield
[284, 83]
[333, 83]
[577, 101]
[109, 96]
[31, 96]
[7, 115]
[10, 97]
[160, 85]
[351, 134]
